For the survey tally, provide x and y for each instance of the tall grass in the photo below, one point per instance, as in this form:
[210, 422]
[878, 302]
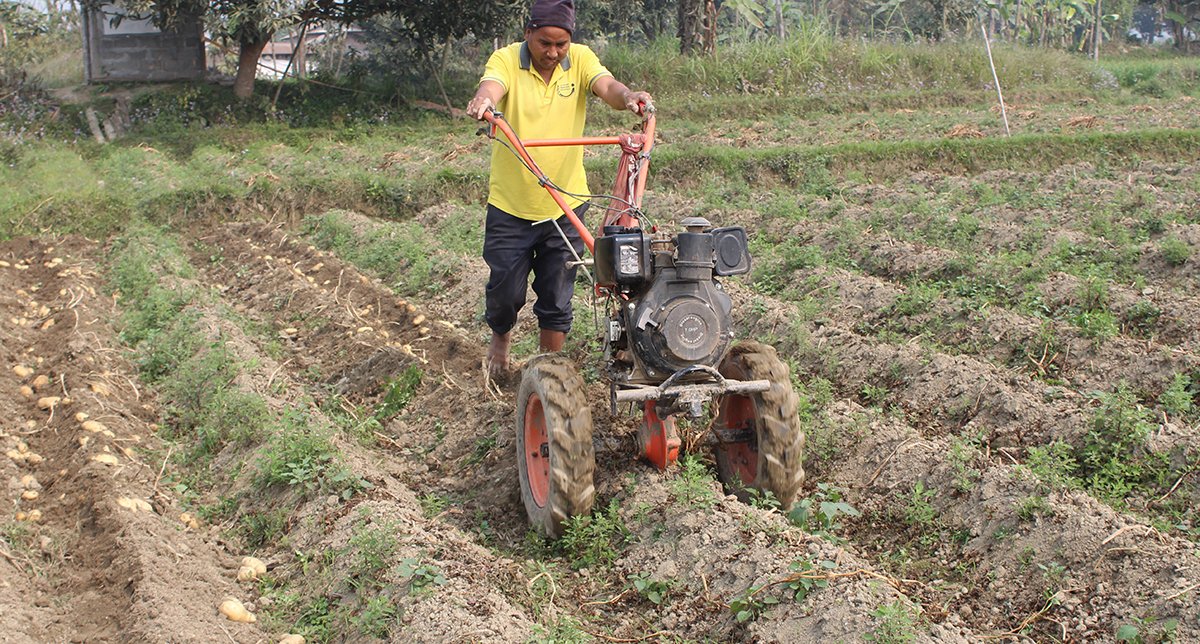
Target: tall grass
[814, 61]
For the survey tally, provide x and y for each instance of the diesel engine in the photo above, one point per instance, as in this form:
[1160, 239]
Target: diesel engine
[672, 313]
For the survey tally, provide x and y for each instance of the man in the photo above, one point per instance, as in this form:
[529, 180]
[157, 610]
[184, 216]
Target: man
[541, 85]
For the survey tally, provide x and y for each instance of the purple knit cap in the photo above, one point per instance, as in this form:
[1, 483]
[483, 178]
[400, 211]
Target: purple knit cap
[552, 13]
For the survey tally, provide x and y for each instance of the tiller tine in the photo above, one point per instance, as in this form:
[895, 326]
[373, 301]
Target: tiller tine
[658, 438]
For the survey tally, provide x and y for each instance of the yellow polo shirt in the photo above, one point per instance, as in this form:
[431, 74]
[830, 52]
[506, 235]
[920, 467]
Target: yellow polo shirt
[537, 110]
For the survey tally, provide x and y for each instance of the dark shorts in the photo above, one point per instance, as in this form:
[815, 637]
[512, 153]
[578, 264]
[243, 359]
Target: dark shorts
[512, 247]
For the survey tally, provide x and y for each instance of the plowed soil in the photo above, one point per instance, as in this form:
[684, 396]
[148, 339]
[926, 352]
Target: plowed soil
[929, 433]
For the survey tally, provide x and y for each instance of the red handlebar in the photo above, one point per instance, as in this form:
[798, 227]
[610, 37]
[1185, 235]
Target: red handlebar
[647, 142]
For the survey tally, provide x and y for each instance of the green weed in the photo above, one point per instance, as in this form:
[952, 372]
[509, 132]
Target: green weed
[260, 529]
[1141, 318]
[751, 604]
[371, 548]
[433, 504]
[764, 500]
[398, 393]
[653, 590]
[1145, 630]
[564, 630]
[421, 577]
[874, 395]
[807, 577]
[1114, 459]
[822, 513]
[693, 485]
[1031, 507]
[963, 455]
[1053, 466]
[595, 540]
[299, 453]
[376, 617]
[918, 511]
[317, 620]
[1175, 251]
[1179, 397]
[895, 625]
[484, 446]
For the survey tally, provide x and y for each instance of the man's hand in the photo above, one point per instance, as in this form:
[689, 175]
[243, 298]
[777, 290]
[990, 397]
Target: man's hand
[486, 97]
[636, 101]
[617, 96]
[478, 106]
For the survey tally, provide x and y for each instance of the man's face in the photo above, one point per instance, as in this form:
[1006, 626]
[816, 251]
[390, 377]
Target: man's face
[547, 47]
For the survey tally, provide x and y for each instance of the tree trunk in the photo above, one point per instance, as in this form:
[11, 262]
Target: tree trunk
[691, 21]
[779, 19]
[1097, 33]
[710, 27]
[248, 53]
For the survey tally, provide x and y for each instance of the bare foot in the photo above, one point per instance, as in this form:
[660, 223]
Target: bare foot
[497, 356]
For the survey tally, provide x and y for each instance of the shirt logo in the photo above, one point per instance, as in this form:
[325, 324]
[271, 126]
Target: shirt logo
[566, 89]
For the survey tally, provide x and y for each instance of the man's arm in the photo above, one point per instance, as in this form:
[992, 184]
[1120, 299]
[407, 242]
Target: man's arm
[487, 96]
[614, 92]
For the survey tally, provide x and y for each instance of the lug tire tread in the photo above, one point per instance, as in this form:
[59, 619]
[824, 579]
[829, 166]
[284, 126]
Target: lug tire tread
[557, 382]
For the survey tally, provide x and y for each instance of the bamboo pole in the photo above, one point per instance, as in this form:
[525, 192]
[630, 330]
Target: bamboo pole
[992, 63]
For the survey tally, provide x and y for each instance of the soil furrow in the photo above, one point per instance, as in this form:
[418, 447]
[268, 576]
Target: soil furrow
[111, 557]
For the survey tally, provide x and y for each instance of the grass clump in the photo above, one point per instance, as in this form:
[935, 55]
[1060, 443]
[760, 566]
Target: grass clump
[398, 252]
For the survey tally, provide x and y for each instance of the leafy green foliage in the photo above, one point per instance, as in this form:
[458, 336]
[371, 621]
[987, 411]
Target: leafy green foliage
[433, 504]
[263, 528]
[751, 604]
[1032, 506]
[764, 500]
[1145, 630]
[1176, 251]
[1179, 398]
[422, 577]
[964, 454]
[822, 512]
[807, 578]
[655, 591]
[1114, 458]
[376, 617]
[1053, 466]
[563, 630]
[372, 546]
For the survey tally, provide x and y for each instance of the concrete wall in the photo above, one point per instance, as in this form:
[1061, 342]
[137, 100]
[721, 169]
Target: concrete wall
[135, 50]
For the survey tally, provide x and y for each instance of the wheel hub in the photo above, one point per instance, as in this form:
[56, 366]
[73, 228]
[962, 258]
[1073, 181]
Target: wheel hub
[537, 451]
